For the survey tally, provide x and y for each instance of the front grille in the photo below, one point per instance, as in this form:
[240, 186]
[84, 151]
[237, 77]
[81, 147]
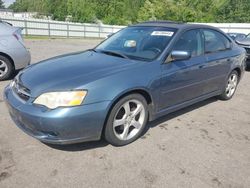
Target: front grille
[22, 91]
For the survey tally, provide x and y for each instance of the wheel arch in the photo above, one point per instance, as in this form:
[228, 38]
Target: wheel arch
[142, 91]
[238, 70]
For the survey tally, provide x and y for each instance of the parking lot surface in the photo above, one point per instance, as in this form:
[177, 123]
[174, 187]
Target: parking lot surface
[205, 145]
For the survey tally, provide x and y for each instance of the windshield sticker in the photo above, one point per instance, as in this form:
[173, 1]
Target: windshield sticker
[162, 33]
[130, 44]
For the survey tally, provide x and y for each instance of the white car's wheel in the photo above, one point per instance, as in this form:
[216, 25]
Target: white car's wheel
[6, 68]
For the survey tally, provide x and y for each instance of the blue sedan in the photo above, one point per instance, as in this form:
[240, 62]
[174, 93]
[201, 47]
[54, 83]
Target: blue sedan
[143, 72]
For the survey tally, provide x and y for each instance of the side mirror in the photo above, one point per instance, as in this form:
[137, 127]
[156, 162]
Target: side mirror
[180, 55]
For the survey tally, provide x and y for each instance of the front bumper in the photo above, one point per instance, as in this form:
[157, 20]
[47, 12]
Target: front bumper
[248, 53]
[59, 126]
[247, 56]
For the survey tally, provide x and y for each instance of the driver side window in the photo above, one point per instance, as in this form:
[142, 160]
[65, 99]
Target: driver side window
[190, 41]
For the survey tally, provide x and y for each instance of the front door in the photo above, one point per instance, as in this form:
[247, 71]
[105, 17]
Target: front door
[182, 80]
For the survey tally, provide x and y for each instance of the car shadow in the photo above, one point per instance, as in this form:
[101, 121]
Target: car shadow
[13, 75]
[80, 146]
[103, 143]
[175, 114]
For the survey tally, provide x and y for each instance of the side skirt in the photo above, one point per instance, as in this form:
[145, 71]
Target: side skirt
[183, 105]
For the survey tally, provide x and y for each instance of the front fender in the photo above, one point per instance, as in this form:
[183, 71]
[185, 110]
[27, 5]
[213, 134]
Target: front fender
[145, 78]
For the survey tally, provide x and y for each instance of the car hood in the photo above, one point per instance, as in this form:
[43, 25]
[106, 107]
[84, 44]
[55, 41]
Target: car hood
[71, 71]
[245, 42]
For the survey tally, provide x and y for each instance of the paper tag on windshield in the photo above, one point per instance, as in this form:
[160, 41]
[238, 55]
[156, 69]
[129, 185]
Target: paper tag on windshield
[162, 33]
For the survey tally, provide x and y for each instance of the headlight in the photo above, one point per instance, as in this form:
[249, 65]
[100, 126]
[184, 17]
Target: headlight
[54, 100]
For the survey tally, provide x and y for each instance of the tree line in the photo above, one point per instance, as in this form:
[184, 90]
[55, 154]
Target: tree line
[1, 4]
[125, 12]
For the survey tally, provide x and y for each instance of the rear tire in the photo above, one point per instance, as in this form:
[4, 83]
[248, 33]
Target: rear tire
[126, 120]
[230, 87]
[6, 68]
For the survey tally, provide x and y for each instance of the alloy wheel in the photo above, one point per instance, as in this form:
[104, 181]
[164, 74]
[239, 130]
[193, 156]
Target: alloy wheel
[129, 120]
[3, 68]
[231, 85]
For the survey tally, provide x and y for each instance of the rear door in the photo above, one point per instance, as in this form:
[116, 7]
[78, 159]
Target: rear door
[218, 59]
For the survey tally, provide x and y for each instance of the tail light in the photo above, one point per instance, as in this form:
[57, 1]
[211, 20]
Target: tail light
[18, 35]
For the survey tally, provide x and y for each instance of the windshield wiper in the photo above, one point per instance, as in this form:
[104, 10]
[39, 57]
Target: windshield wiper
[114, 54]
[140, 58]
[92, 49]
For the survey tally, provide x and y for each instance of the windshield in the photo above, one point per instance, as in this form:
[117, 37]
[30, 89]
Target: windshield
[141, 43]
[248, 36]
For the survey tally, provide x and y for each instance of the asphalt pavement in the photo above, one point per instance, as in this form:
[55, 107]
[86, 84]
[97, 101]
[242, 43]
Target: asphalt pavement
[204, 145]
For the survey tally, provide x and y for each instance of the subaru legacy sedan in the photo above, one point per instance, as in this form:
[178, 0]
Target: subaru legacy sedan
[141, 73]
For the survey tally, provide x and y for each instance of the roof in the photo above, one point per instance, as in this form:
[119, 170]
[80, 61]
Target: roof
[236, 33]
[172, 24]
[6, 29]
[161, 23]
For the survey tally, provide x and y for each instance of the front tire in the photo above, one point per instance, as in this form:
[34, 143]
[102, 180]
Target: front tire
[126, 120]
[6, 68]
[231, 86]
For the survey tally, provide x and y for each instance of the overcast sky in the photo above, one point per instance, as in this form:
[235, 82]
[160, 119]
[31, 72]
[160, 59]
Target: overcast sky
[8, 2]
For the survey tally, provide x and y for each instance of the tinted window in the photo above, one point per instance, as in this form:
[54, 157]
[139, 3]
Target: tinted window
[215, 41]
[191, 42]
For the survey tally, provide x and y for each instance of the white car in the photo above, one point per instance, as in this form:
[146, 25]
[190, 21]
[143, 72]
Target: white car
[13, 53]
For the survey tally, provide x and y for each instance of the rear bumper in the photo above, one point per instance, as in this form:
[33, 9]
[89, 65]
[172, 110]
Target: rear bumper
[59, 126]
[21, 58]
